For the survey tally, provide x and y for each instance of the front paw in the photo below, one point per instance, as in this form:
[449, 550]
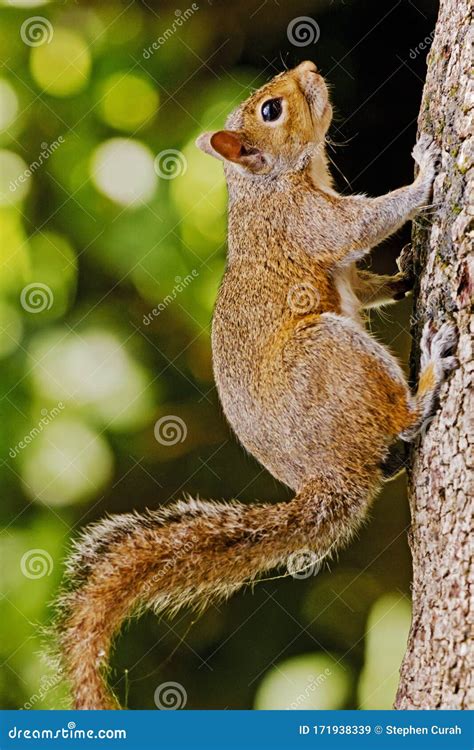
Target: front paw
[401, 284]
[405, 260]
[426, 155]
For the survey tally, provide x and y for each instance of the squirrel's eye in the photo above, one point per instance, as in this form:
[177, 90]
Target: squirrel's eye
[271, 110]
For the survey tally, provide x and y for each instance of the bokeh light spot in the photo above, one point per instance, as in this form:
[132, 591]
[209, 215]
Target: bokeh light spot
[127, 101]
[200, 196]
[386, 638]
[14, 178]
[61, 67]
[14, 252]
[53, 262]
[8, 104]
[66, 463]
[122, 169]
[93, 371]
[310, 681]
[27, 3]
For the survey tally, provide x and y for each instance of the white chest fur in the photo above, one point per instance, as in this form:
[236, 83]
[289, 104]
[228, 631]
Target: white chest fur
[345, 281]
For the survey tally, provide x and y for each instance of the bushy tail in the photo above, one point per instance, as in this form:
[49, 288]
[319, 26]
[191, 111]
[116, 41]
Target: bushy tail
[191, 553]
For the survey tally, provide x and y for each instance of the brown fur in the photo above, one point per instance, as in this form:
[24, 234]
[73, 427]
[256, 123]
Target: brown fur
[305, 387]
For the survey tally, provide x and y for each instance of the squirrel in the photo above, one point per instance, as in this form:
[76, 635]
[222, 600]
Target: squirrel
[305, 387]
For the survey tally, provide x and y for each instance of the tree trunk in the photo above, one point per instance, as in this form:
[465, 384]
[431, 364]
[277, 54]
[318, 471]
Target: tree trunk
[435, 671]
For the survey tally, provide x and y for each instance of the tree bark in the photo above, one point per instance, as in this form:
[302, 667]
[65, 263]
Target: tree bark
[435, 672]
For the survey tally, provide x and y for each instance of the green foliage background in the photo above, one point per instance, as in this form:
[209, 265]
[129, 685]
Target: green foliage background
[129, 247]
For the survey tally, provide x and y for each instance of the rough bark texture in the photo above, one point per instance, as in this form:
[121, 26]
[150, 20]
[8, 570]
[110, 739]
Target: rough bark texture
[436, 672]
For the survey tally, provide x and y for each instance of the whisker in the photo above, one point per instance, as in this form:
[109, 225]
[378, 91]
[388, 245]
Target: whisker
[339, 170]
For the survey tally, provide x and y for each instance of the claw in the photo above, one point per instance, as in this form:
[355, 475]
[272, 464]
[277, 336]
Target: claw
[426, 153]
[405, 260]
[436, 344]
[444, 340]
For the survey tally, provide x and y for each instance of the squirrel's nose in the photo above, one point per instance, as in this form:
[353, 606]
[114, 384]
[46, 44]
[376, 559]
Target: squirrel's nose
[306, 67]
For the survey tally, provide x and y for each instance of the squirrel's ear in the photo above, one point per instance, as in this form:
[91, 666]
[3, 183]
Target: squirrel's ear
[229, 145]
[223, 144]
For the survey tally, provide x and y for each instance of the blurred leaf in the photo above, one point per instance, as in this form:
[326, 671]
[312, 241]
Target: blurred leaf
[385, 643]
[307, 682]
[126, 101]
[62, 65]
[66, 462]
[14, 255]
[93, 372]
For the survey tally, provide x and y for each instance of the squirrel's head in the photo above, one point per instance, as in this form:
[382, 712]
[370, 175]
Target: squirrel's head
[278, 128]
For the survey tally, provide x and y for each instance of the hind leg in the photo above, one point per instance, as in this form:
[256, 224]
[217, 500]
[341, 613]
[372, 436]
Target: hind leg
[436, 363]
